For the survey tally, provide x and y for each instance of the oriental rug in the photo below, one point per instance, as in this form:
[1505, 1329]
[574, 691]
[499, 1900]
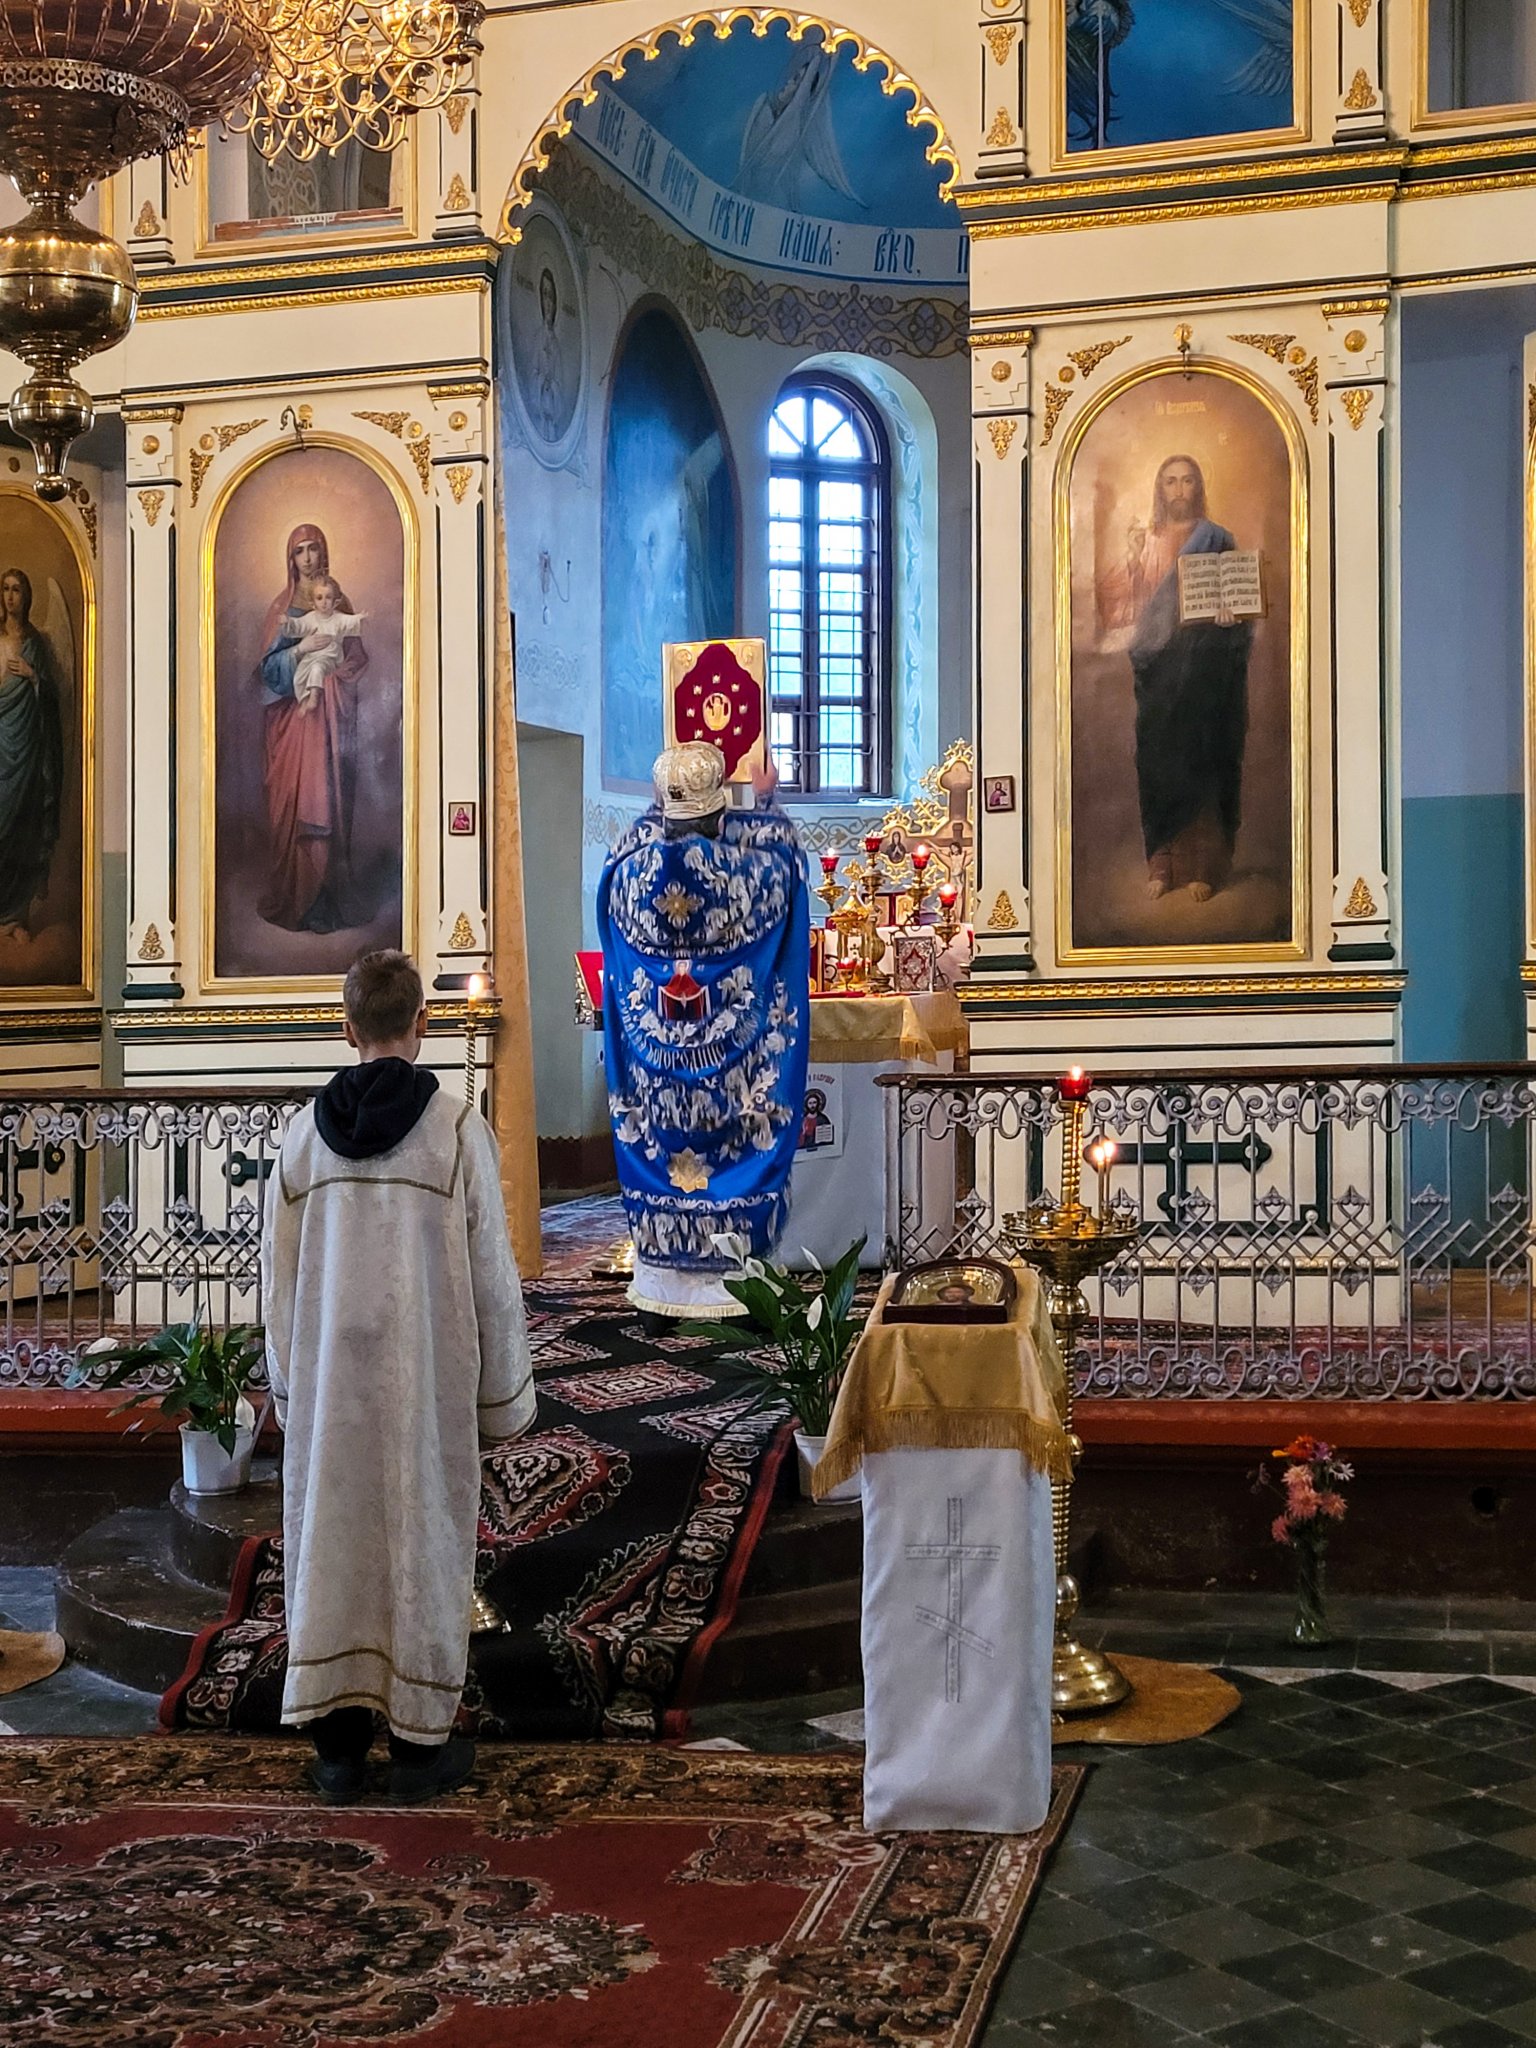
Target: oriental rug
[614, 1539]
[185, 1894]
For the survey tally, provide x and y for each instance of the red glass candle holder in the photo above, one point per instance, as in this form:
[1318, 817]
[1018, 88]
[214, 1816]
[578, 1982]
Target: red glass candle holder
[921, 855]
[873, 843]
[829, 864]
[1076, 1086]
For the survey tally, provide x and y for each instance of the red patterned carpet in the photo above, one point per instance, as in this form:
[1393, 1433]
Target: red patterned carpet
[186, 1894]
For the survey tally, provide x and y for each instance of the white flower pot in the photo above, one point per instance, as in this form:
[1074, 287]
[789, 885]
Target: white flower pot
[809, 1450]
[206, 1467]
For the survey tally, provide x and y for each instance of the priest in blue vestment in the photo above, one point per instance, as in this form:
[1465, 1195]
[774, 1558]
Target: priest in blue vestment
[704, 921]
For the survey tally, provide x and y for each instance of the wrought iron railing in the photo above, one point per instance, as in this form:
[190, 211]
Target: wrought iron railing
[1307, 1232]
[122, 1211]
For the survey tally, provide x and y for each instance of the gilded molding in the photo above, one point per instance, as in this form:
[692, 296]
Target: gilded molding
[1003, 918]
[1003, 337]
[452, 1015]
[63, 1022]
[85, 505]
[1530, 413]
[339, 295]
[151, 501]
[1190, 209]
[350, 263]
[1376, 307]
[1358, 10]
[212, 445]
[1216, 987]
[459, 387]
[454, 110]
[462, 938]
[1357, 403]
[142, 415]
[1144, 183]
[1002, 36]
[456, 198]
[1293, 359]
[152, 946]
[1002, 432]
[391, 422]
[721, 20]
[148, 222]
[460, 475]
[418, 443]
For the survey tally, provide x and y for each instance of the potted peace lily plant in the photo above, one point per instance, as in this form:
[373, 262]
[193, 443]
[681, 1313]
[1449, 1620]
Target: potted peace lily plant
[199, 1373]
[811, 1328]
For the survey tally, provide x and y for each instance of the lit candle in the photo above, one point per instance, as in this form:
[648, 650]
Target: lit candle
[1075, 1085]
[947, 895]
[921, 855]
[873, 843]
[476, 989]
[1101, 1157]
[829, 864]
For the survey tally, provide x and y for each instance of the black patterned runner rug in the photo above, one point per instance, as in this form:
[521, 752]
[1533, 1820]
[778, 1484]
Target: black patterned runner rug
[614, 1538]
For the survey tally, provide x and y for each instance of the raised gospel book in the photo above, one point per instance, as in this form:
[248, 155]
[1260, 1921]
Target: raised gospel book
[1212, 584]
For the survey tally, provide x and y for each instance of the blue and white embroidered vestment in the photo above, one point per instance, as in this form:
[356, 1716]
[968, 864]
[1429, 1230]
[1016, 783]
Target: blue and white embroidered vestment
[706, 1023]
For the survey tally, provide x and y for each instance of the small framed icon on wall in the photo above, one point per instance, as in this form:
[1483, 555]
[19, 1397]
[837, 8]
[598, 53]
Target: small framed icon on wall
[461, 821]
[997, 793]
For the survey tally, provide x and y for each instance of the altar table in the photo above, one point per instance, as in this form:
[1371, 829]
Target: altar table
[838, 1188]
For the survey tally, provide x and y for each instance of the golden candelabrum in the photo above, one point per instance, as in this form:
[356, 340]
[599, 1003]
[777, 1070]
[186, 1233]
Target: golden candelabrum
[1066, 1242]
[894, 880]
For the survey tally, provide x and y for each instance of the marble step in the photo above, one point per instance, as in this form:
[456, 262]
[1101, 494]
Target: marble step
[804, 1639]
[210, 1530]
[124, 1606]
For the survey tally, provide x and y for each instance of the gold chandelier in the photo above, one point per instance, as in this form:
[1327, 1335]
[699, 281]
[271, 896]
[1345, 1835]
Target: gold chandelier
[87, 86]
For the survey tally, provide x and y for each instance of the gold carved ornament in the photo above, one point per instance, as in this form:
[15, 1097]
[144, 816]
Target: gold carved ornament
[1361, 96]
[1359, 9]
[1003, 918]
[1001, 372]
[1356, 404]
[462, 938]
[417, 443]
[85, 505]
[460, 476]
[456, 198]
[151, 502]
[1361, 902]
[152, 947]
[1299, 367]
[209, 446]
[1089, 359]
[455, 109]
[1056, 400]
[148, 222]
[1002, 134]
[1530, 413]
[1002, 432]
[1002, 35]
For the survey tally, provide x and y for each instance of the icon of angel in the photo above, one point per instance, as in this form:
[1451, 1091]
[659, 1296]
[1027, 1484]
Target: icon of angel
[790, 140]
[37, 672]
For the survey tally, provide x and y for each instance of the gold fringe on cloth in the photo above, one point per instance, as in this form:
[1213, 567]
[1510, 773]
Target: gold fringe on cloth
[849, 1031]
[1169, 1703]
[951, 1387]
[513, 1115]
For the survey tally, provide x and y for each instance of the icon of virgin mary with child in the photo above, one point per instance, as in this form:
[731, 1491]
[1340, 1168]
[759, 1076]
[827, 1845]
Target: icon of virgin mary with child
[310, 748]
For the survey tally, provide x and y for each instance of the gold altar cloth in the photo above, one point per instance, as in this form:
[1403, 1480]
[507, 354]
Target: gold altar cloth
[865, 1030]
[952, 1387]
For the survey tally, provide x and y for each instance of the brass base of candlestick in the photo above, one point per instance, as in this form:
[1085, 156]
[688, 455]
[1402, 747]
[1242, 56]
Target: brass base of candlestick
[485, 1617]
[618, 1263]
[1083, 1681]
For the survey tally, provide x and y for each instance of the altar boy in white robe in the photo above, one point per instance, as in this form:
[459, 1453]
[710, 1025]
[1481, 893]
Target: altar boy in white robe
[397, 1345]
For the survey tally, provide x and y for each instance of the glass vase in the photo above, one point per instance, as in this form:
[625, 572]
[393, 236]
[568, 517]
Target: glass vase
[1311, 1622]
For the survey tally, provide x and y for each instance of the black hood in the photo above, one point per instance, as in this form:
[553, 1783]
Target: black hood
[368, 1109]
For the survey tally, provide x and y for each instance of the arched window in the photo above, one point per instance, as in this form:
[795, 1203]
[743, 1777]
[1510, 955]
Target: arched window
[829, 610]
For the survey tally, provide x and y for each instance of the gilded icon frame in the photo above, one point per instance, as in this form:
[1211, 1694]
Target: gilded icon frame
[86, 989]
[1299, 945]
[1509, 113]
[210, 981]
[342, 234]
[1088, 161]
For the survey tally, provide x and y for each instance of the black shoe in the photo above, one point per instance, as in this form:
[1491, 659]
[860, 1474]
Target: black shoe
[410, 1784]
[338, 1784]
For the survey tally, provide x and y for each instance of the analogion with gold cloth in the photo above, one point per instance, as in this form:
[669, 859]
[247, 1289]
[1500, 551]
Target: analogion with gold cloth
[864, 1030]
[957, 1430]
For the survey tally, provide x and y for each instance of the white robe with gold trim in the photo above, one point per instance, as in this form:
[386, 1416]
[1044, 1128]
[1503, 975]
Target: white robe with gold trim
[396, 1342]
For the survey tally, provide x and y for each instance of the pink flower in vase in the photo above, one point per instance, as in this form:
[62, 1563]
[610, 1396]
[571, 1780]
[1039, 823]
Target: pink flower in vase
[1280, 1529]
[1332, 1505]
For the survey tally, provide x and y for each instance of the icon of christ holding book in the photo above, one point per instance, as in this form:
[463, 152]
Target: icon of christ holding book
[1189, 634]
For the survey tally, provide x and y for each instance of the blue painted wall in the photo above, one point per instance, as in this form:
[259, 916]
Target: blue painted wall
[669, 534]
[1463, 675]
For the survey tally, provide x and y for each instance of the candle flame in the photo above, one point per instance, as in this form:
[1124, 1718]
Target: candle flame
[478, 985]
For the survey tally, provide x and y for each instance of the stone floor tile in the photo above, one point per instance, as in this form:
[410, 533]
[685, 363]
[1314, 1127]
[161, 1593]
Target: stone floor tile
[1057, 1921]
[1081, 1871]
[1485, 1814]
[1479, 1981]
[1204, 2000]
[1316, 1855]
[1482, 1864]
[1474, 2033]
[1393, 2011]
[1147, 1901]
[1041, 1986]
[1395, 1944]
[1216, 1934]
[1230, 1880]
[1101, 2023]
[1442, 1653]
[1403, 1834]
[1127, 1958]
[1293, 2027]
[1397, 1887]
[1302, 1972]
[1479, 1918]
[1310, 1909]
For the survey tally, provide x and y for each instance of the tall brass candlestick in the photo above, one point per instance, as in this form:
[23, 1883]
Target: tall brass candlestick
[1065, 1244]
[475, 994]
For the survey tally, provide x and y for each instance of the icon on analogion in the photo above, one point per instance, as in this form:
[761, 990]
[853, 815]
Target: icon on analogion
[716, 691]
